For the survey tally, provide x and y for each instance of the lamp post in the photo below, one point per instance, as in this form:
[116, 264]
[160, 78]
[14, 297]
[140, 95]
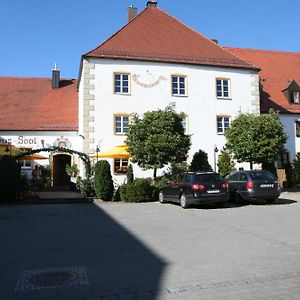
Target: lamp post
[215, 157]
[97, 151]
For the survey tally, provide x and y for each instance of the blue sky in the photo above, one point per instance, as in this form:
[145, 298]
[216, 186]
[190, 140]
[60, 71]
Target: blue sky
[35, 34]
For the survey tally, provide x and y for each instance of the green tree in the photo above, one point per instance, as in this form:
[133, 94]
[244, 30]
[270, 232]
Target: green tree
[200, 162]
[225, 163]
[103, 183]
[157, 139]
[256, 138]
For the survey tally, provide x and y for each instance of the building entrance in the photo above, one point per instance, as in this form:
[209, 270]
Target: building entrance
[60, 176]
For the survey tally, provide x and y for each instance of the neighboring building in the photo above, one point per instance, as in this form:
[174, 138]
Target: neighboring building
[280, 90]
[41, 112]
[155, 60]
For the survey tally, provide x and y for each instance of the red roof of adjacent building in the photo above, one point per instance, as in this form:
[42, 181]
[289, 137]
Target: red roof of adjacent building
[32, 104]
[278, 70]
[154, 35]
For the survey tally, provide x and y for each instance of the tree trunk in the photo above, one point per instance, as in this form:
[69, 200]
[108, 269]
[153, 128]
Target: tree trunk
[154, 173]
[251, 165]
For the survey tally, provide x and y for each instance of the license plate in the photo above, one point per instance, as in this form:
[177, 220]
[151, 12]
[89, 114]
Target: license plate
[213, 191]
[266, 185]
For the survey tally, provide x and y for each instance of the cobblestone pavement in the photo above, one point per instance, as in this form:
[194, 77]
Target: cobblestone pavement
[118, 251]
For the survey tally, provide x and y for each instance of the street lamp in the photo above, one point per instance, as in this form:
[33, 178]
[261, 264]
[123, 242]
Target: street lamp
[97, 151]
[215, 157]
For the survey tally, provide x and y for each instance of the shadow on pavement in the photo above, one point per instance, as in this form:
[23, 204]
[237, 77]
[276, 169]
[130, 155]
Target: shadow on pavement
[37, 237]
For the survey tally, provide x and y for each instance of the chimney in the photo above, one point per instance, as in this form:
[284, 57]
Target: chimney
[132, 12]
[151, 3]
[215, 41]
[55, 78]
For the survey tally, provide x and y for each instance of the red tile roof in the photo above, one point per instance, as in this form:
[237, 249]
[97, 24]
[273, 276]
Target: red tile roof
[277, 70]
[154, 35]
[32, 104]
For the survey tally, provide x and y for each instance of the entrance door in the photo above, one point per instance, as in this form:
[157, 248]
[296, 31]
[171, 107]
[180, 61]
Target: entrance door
[60, 176]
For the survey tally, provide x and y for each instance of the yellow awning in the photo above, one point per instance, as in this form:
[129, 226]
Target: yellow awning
[34, 156]
[115, 152]
[9, 149]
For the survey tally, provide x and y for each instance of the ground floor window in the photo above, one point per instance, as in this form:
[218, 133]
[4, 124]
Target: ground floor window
[120, 166]
[282, 160]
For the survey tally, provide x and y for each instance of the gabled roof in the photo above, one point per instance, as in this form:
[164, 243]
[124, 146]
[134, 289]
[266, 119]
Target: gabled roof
[32, 104]
[278, 70]
[154, 35]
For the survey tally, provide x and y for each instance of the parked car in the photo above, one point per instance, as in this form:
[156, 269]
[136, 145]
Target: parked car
[254, 184]
[195, 188]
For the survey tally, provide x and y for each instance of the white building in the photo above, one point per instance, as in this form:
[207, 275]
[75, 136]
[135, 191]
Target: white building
[155, 60]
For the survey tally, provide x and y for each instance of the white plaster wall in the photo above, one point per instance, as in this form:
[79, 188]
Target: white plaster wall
[293, 142]
[201, 104]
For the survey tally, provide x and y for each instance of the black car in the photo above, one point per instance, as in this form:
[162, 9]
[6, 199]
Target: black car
[195, 188]
[254, 184]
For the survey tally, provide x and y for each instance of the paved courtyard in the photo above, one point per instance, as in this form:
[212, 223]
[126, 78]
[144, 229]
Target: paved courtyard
[150, 251]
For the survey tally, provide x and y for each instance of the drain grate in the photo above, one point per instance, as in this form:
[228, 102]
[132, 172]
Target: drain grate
[52, 278]
[48, 279]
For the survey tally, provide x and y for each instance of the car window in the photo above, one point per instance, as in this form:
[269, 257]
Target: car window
[262, 176]
[188, 179]
[207, 178]
[233, 177]
[242, 177]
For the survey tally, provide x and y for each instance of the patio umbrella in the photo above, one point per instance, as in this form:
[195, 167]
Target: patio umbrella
[34, 156]
[115, 152]
[9, 149]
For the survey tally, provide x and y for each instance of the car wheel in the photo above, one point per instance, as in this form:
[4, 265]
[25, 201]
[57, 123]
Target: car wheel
[183, 201]
[161, 197]
[238, 198]
[270, 201]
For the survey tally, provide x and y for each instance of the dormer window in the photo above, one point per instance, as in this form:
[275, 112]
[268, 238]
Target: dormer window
[295, 97]
[292, 92]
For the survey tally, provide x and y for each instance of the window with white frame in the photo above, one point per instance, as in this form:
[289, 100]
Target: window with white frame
[121, 83]
[223, 123]
[295, 97]
[223, 88]
[120, 165]
[179, 85]
[121, 124]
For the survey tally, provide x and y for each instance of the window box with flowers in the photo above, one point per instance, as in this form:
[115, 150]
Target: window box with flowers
[120, 166]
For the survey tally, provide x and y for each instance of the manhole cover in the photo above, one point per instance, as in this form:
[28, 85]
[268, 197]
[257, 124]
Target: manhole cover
[48, 279]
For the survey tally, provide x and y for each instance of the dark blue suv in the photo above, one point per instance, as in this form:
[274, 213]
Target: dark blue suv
[254, 184]
[194, 188]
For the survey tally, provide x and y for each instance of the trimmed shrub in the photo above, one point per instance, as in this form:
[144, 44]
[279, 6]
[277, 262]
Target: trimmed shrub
[9, 179]
[225, 163]
[140, 190]
[200, 162]
[129, 174]
[103, 183]
[85, 186]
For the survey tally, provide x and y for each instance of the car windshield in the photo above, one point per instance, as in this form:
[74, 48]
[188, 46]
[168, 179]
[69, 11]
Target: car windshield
[208, 178]
[262, 176]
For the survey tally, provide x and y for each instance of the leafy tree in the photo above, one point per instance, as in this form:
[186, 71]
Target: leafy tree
[256, 138]
[200, 162]
[157, 139]
[103, 183]
[225, 163]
